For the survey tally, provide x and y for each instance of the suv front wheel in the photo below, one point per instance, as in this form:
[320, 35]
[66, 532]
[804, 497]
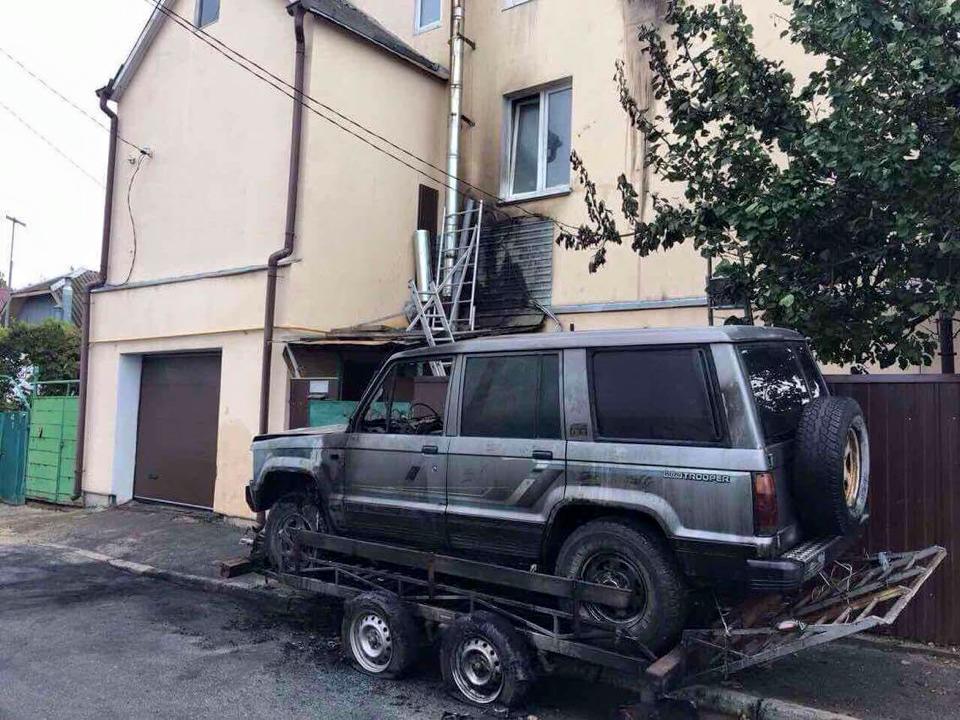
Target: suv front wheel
[614, 553]
[294, 511]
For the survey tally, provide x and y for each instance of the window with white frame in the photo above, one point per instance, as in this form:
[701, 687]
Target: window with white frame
[538, 149]
[427, 15]
[208, 11]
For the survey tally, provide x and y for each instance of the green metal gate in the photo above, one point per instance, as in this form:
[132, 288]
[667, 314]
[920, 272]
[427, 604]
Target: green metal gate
[52, 447]
[13, 446]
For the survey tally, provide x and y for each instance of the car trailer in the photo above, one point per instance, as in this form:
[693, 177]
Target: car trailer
[497, 621]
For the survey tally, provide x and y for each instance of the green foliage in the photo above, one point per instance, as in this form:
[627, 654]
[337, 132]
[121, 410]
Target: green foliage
[52, 347]
[833, 201]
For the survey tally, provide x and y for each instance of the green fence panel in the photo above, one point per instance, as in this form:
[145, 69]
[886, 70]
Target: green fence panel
[52, 448]
[13, 447]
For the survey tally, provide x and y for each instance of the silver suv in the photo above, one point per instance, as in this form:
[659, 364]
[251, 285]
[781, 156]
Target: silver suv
[654, 460]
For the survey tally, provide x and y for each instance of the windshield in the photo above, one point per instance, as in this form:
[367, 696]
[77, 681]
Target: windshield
[783, 378]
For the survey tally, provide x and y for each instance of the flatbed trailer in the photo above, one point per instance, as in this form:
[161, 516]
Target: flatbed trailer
[391, 591]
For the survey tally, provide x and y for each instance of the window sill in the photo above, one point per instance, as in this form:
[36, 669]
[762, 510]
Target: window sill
[426, 28]
[534, 197]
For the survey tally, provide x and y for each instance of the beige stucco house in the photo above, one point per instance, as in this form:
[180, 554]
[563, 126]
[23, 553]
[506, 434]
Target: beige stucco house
[176, 334]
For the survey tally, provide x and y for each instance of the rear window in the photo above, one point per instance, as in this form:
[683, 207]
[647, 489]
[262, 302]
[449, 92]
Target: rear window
[654, 395]
[780, 386]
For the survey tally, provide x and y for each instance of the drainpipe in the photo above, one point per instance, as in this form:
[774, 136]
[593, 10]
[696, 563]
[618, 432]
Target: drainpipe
[104, 95]
[453, 133]
[293, 191]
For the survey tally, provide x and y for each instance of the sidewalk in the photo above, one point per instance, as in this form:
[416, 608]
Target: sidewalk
[851, 678]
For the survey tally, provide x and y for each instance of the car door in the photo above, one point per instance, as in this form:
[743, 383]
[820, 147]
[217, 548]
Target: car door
[395, 465]
[507, 462]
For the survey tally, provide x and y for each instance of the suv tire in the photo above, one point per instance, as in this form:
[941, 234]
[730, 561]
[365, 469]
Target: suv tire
[611, 552]
[831, 470]
[292, 511]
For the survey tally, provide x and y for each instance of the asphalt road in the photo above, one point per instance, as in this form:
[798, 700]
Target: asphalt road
[80, 639]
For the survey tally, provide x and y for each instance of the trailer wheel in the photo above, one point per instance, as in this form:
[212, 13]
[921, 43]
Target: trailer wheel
[380, 635]
[485, 661]
[629, 557]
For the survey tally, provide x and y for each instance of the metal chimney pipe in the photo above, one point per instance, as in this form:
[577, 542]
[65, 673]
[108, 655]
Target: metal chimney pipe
[421, 255]
[453, 141]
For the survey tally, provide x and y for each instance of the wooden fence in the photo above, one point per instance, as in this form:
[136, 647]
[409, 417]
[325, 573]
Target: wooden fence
[914, 425]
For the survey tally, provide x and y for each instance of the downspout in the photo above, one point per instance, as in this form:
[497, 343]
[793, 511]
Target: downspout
[104, 95]
[293, 192]
[453, 134]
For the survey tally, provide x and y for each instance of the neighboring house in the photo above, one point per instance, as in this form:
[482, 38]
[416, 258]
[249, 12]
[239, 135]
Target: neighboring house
[177, 332]
[60, 298]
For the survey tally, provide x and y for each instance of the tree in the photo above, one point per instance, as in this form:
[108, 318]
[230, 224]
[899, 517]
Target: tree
[52, 348]
[832, 202]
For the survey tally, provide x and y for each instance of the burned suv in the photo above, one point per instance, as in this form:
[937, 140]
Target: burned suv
[653, 460]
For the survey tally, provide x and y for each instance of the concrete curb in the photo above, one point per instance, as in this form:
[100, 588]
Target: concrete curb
[751, 707]
[273, 597]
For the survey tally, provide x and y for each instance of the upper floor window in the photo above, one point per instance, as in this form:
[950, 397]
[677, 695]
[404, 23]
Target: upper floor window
[538, 153]
[208, 11]
[427, 15]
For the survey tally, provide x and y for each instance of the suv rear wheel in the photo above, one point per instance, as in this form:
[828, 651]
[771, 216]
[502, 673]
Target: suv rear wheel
[611, 552]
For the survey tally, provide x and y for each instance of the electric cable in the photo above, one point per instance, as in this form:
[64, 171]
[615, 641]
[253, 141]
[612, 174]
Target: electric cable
[65, 99]
[51, 144]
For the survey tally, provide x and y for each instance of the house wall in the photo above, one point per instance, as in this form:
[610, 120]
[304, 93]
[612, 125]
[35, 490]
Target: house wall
[35, 310]
[541, 41]
[187, 273]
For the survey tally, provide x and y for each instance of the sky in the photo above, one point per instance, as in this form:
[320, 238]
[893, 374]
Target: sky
[76, 47]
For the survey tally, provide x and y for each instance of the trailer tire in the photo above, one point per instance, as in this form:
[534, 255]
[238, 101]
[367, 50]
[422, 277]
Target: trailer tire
[612, 552]
[831, 471]
[484, 660]
[380, 635]
[292, 511]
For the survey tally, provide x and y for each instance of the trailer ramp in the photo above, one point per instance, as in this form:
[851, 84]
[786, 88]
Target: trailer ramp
[850, 596]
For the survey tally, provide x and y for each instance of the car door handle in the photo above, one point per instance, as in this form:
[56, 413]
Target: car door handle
[430, 450]
[542, 455]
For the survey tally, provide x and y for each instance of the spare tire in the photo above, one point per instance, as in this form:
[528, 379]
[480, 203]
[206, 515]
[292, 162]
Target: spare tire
[831, 471]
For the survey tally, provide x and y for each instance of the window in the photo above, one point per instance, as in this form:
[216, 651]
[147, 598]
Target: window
[410, 399]
[516, 396]
[654, 395]
[779, 388]
[208, 11]
[538, 154]
[427, 15]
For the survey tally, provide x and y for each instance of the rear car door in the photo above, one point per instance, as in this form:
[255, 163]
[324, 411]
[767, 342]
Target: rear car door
[395, 469]
[507, 462]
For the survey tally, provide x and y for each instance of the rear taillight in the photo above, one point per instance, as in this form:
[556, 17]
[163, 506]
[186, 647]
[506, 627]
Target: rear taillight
[765, 517]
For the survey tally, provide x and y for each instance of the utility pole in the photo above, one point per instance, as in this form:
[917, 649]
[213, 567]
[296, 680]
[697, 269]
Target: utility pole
[13, 236]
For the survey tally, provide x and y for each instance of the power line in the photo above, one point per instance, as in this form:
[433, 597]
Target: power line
[50, 144]
[282, 86]
[65, 99]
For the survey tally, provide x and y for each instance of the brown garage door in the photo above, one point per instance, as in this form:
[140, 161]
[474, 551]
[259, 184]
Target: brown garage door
[177, 430]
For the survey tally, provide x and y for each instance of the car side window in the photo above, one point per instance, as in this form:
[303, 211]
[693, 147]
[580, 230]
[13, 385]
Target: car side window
[511, 396]
[654, 395]
[410, 399]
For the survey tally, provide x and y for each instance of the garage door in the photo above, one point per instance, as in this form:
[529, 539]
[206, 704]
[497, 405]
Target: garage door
[177, 430]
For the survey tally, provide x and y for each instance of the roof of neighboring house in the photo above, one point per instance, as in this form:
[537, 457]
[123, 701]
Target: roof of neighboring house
[341, 13]
[81, 280]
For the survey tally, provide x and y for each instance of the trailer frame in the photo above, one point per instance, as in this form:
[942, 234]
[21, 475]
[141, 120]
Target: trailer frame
[847, 597]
